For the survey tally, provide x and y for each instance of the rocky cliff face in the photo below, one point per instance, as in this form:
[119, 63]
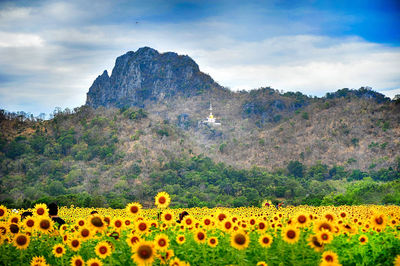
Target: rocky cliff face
[148, 75]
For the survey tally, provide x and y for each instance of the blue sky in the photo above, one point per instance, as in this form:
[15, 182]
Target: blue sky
[51, 51]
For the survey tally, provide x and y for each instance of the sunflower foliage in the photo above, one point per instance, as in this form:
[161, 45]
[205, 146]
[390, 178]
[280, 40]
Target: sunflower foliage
[303, 235]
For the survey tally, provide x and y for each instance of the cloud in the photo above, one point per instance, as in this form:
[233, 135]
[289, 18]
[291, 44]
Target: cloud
[20, 40]
[51, 52]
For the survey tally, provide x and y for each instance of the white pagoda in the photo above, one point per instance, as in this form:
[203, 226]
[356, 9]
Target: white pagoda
[210, 119]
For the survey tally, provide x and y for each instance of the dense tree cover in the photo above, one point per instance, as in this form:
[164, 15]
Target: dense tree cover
[66, 158]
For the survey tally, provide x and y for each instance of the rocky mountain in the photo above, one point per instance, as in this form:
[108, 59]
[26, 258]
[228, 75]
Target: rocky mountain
[148, 75]
[142, 131]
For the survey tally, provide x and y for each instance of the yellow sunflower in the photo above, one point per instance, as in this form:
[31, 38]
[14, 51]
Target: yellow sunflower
[262, 263]
[378, 221]
[200, 236]
[142, 227]
[38, 261]
[363, 239]
[94, 262]
[166, 256]
[133, 208]
[41, 210]
[117, 223]
[14, 219]
[291, 234]
[162, 200]
[212, 242]
[180, 239]
[3, 212]
[396, 261]
[103, 249]
[21, 241]
[167, 217]
[77, 261]
[330, 257]
[266, 204]
[302, 219]
[74, 244]
[207, 222]
[162, 242]
[96, 222]
[324, 236]
[85, 233]
[314, 243]
[44, 224]
[143, 253]
[265, 240]
[58, 250]
[240, 240]
[132, 240]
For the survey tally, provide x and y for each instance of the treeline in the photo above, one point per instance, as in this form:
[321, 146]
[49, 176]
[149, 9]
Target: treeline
[66, 159]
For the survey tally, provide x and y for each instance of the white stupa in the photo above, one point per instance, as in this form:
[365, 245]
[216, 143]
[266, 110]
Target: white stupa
[210, 119]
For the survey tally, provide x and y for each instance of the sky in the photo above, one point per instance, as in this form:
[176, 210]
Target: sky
[52, 51]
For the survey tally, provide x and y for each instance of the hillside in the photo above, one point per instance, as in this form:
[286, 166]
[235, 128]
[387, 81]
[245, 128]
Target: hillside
[141, 131]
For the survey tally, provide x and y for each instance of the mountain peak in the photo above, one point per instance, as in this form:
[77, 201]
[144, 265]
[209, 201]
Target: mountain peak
[148, 75]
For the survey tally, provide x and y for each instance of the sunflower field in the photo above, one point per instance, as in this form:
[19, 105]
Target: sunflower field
[302, 235]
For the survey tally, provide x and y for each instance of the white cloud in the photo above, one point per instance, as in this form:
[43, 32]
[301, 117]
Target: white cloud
[9, 39]
[63, 48]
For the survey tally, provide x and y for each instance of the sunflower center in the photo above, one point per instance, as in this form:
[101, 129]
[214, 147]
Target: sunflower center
[343, 215]
[240, 239]
[45, 224]
[75, 243]
[252, 222]
[118, 223]
[228, 225]
[329, 258]
[96, 221]
[201, 236]
[78, 263]
[329, 217]
[316, 243]
[21, 240]
[291, 234]
[85, 233]
[168, 217]
[162, 200]
[379, 220]
[134, 239]
[145, 252]
[81, 223]
[127, 222]
[134, 209]
[142, 226]
[188, 222]
[103, 250]
[221, 217]
[14, 220]
[325, 226]
[301, 219]
[59, 250]
[362, 239]
[212, 241]
[1, 212]
[181, 238]
[94, 264]
[40, 211]
[261, 226]
[265, 240]
[14, 228]
[30, 223]
[207, 222]
[162, 242]
[325, 236]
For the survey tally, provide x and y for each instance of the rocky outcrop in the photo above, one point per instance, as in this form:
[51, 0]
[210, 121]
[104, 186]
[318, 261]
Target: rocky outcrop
[148, 75]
